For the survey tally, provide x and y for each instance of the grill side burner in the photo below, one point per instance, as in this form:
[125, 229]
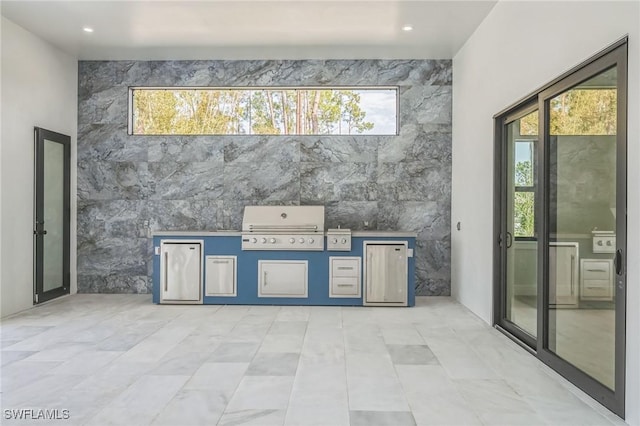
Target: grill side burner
[283, 228]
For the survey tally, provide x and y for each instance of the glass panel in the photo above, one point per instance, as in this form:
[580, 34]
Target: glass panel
[273, 112]
[524, 162]
[277, 111]
[582, 226]
[53, 272]
[523, 217]
[522, 260]
[190, 111]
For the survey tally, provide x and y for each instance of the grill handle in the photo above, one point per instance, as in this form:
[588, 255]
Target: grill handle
[301, 228]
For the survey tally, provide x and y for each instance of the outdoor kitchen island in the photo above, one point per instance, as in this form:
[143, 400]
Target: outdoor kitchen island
[290, 260]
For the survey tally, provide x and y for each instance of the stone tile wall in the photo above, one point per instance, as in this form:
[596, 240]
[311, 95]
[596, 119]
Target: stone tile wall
[129, 185]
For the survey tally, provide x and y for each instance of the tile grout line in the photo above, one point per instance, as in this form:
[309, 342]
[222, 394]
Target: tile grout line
[231, 394]
[344, 353]
[286, 413]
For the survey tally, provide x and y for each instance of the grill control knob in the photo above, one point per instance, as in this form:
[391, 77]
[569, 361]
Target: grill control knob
[609, 243]
[343, 241]
[310, 240]
[599, 242]
[292, 240]
[301, 240]
[264, 240]
[272, 240]
[254, 240]
[334, 241]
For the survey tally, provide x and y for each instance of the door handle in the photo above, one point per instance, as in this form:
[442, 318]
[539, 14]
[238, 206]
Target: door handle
[573, 258]
[509, 239]
[166, 271]
[618, 262]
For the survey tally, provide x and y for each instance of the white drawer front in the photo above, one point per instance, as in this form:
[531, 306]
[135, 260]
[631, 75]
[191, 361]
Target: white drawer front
[345, 286]
[344, 267]
[596, 270]
[597, 288]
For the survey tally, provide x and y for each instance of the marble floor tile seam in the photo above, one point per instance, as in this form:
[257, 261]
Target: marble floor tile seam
[484, 411]
[118, 403]
[548, 409]
[52, 372]
[581, 395]
[101, 405]
[60, 332]
[345, 371]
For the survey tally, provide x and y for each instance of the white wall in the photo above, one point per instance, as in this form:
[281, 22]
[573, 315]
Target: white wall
[39, 88]
[519, 47]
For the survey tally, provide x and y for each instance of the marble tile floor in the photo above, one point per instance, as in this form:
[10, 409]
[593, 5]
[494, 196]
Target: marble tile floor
[574, 331]
[119, 359]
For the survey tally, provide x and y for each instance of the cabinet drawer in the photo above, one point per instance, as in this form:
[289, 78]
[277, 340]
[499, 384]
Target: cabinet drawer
[345, 276]
[345, 286]
[597, 288]
[596, 270]
[341, 267]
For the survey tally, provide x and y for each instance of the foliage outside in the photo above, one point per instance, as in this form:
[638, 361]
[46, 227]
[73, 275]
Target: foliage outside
[262, 112]
[529, 124]
[584, 112]
[578, 112]
[524, 202]
[575, 112]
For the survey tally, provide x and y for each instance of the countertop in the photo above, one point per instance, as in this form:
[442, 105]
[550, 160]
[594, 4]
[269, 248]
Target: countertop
[234, 233]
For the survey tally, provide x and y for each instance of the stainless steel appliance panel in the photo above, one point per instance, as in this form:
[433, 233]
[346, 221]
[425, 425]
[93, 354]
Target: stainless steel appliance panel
[339, 239]
[181, 272]
[221, 276]
[283, 228]
[386, 274]
[283, 278]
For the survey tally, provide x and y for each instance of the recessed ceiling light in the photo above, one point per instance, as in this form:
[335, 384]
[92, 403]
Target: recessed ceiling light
[407, 27]
[87, 29]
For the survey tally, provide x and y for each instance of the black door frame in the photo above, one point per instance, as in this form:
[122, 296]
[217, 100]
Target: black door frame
[39, 230]
[613, 56]
[500, 223]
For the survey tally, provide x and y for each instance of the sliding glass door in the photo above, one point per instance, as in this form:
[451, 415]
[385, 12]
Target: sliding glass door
[561, 222]
[519, 298]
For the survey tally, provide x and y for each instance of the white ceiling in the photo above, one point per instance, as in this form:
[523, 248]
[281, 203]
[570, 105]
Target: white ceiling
[258, 29]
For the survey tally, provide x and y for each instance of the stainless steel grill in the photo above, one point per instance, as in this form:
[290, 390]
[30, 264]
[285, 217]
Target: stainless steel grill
[283, 228]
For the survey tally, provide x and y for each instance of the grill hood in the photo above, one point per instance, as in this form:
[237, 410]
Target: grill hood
[303, 219]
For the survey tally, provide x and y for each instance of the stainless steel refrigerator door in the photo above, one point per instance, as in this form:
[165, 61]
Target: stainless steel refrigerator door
[386, 271]
[181, 272]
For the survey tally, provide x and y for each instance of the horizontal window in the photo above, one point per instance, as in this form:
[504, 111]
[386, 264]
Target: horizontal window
[263, 111]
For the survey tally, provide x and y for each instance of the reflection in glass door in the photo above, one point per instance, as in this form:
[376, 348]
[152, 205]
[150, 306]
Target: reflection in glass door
[51, 227]
[582, 150]
[521, 282]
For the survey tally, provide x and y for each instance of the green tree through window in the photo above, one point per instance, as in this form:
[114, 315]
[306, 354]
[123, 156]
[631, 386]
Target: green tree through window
[281, 111]
[524, 201]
